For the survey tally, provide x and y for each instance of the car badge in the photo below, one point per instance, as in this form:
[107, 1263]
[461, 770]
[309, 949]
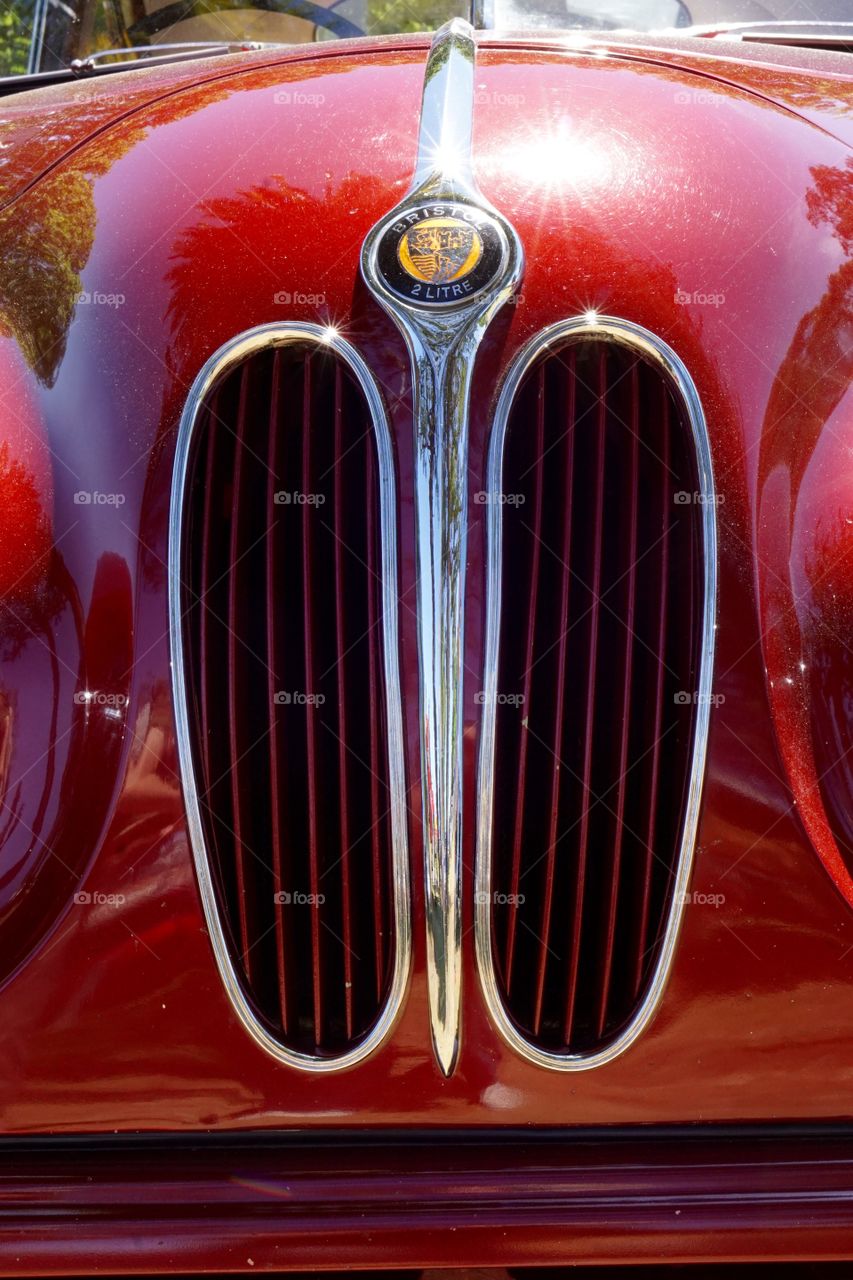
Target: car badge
[439, 255]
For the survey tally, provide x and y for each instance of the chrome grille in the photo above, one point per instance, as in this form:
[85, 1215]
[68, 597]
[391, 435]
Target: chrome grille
[294, 739]
[596, 715]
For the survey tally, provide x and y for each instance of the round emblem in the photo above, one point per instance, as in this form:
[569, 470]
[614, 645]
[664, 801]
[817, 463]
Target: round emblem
[440, 255]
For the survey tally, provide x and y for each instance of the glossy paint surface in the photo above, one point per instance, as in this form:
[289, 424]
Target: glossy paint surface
[250, 1206]
[691, 206]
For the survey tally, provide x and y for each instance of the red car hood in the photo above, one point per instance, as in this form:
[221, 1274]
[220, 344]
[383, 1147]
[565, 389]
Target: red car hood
[705, 200]
[40, 126]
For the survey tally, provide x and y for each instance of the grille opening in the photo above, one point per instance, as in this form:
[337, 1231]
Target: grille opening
[599, 643]
[282, 608]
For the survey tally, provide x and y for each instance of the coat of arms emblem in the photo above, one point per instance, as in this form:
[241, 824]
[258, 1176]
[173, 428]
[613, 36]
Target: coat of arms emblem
[440, 250]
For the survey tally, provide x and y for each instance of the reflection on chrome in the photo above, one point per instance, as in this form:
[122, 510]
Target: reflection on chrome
[443, 324]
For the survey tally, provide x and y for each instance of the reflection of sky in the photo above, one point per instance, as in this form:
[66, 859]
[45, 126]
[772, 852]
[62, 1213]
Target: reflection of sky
[651, 15]
[394, 19]
[644, 15]
[224, 155]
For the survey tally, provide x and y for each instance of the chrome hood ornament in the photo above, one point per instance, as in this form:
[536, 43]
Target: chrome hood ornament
[442, 263]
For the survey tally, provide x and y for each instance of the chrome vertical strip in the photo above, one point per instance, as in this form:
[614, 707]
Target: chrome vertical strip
[34, 57]
[442, 263]
[482, 14]
[447, 118]
[656, 352]
[229, 356]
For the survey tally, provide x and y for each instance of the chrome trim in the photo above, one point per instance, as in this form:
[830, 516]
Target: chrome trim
[442, 344]
[36, 49]
[152, 54]
[625, 333]
[238, 349]
[447, 119]
[482, 14]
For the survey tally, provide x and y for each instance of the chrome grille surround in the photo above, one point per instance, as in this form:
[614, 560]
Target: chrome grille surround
[231, 355]
[632, 336]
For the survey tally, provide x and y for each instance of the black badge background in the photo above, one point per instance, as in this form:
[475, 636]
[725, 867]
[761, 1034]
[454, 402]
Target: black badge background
[395, 276]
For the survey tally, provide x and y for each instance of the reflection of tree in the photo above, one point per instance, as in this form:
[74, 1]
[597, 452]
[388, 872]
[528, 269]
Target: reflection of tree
[389, 17]
[47, 235]
[831, 200]
[233, 231]
[41, 257]
[826, 100]
[811, 95]
[15, 36]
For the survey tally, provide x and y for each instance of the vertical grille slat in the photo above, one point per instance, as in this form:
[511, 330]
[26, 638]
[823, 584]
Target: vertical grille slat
[275, 565]
[628, 695]
[535, 556]
[556, 762]
[206, 580]
[310, 690]
[341, 668]
[283, 569]
[245, 908]
[650, 826]
[375, 732]
[590, 665]
[581, 845]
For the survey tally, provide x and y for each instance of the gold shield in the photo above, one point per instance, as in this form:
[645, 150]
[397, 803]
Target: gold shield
[440, 250]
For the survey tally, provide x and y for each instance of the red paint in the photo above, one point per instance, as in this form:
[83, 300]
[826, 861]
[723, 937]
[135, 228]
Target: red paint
[26, 516]
[658, 187]
[143, 1208]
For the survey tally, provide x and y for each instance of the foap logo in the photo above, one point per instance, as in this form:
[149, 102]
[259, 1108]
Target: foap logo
[497, 98]
[97, 298]
[286, 899]
[683, 498]
[295, 698]
[699, 298]
[94, 498]
[296, 298]
[499, 699]
[499, 899]
[95, 698]
[299, 98]
[696, 98]
[686, 699]
[293, 498]
[513, 300]
[488, 498]
[95, 898]
[696, 899]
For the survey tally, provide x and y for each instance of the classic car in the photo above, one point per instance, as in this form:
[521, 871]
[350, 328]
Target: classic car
[426, 606]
